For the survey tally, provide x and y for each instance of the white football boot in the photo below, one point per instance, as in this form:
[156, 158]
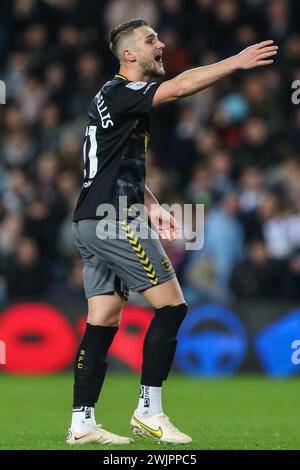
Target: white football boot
[98, 435]
[160, 428]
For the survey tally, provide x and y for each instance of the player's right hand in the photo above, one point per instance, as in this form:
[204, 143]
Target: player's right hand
[257, 55]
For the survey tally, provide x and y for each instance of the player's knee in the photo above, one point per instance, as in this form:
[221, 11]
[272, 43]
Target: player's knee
[172, 298]
[175, 297]
[104, 319]
[107, 322]
[172, 315]
[111, 322]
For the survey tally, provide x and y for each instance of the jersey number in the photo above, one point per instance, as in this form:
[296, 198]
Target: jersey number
[90, 158]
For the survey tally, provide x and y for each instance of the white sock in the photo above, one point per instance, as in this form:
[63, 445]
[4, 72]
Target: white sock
[150, 401]
[83, 418]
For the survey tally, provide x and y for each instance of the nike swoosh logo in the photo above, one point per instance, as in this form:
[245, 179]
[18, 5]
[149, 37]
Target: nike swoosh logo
[154, 432]
[81, 437]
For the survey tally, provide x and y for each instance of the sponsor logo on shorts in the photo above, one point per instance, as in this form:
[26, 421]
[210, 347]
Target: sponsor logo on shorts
[166, 264]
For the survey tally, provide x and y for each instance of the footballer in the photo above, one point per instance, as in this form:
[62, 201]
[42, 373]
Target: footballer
[114, 150]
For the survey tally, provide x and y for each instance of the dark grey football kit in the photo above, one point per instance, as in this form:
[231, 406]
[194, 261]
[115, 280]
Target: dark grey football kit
[114, 150]
[114, 167]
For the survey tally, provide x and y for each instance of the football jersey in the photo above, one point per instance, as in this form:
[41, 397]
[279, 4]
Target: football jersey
[115, 144]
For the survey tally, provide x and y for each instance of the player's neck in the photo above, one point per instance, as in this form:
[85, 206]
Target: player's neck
[133, 75]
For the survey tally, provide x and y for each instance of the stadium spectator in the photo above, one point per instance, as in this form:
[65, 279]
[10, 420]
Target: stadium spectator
[25, 274]
[258, 276]
[209, 270]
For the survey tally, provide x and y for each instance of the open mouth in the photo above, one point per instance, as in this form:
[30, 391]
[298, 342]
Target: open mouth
[158, 58]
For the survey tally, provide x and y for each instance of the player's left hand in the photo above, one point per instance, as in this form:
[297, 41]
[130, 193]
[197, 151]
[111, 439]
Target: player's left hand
[164, 223]
[257, 55]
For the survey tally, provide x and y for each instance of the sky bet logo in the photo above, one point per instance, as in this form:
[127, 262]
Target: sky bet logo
[296, 354]
[2, 92]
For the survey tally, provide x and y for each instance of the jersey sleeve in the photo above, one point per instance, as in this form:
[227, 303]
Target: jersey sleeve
[133, 97]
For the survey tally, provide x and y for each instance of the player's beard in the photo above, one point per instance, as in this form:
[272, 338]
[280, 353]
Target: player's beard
[152, 68]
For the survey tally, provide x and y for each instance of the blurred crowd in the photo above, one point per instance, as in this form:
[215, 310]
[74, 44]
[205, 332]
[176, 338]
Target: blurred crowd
[234, 148]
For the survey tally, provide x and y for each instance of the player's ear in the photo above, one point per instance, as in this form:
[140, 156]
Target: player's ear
[129, 55]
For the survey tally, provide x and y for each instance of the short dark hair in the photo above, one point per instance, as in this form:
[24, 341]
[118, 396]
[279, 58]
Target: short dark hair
[124, 29]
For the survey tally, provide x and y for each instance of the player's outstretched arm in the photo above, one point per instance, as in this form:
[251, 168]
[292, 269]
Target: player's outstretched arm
[197, 79]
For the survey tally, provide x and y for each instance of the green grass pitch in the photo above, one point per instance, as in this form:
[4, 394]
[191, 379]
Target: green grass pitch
[244, 412]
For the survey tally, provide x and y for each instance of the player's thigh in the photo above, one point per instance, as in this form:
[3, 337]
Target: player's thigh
[105, 291]
[139, 262]
[168, 293]
[105, 309]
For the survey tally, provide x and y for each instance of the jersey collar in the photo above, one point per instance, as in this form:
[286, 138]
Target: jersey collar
[117, 75]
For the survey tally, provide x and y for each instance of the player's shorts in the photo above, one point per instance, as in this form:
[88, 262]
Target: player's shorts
[118, 258]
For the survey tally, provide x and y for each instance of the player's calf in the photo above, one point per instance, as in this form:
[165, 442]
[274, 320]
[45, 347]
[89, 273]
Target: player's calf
[160, 343]
[158, 354]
